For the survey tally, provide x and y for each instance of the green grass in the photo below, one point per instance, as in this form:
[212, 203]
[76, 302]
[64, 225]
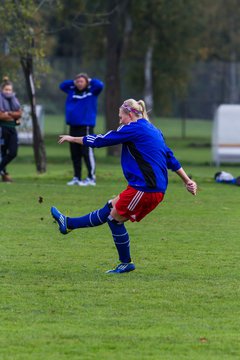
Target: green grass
[182, 302]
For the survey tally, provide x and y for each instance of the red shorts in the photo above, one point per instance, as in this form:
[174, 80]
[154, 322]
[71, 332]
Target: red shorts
[135, 205]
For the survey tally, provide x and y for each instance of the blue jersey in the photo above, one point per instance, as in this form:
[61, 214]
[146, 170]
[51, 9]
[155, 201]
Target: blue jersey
[145, 157]
[81, 106]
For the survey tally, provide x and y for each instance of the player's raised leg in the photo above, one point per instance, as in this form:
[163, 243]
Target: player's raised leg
[94, 218]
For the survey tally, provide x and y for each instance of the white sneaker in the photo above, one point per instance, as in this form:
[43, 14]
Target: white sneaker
[74, 181]
[87, 182]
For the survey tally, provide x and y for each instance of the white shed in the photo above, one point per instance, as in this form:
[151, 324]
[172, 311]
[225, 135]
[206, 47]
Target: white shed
[226, 134]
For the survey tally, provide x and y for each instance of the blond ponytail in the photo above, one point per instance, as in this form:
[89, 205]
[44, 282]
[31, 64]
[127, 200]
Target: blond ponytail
[143, 107]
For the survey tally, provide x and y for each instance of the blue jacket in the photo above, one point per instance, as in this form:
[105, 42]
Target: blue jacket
[81, 106]
[145, 156]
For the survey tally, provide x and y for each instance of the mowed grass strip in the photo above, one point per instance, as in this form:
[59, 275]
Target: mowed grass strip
[56, 302]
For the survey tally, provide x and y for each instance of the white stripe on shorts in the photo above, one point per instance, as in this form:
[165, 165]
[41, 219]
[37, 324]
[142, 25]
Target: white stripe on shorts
[135, 200]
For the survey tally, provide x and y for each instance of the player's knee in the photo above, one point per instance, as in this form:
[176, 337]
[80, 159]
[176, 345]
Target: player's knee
[114, 214]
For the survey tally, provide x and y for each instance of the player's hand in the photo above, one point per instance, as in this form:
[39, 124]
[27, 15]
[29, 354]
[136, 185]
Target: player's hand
[191, 186]
[63, 138]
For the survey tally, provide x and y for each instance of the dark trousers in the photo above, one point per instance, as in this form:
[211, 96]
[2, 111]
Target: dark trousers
[8, 146]
[79, 152]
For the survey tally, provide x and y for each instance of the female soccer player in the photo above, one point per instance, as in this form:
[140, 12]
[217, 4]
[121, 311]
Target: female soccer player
[145, 162]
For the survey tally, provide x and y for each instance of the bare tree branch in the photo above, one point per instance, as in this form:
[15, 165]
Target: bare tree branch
[77, 24]
[39, 6]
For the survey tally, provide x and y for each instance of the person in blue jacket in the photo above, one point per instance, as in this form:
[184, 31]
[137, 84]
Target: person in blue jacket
[145, 162]
[81, 113]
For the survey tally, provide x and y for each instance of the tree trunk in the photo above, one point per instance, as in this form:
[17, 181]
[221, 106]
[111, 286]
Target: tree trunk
[38, 141]
[114, 36]
[148, 69]
[233, 86]
[148, 89]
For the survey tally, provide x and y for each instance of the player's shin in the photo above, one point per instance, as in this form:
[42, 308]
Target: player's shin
[121, 239]
[95, 218]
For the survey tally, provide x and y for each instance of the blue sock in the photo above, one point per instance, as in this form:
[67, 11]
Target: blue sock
[95, 218]
[121, 239]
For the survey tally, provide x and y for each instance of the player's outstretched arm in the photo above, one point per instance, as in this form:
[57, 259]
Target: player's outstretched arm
[72, 139]
[191, 186]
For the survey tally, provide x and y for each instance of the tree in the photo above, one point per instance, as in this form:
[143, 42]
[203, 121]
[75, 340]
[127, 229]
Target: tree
[221, 41]
[26, 46]
[164, 43]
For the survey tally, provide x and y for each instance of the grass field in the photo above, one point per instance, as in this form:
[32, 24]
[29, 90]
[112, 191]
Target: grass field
[182, 302]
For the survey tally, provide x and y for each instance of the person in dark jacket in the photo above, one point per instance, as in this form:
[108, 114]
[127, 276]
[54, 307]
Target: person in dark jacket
[81, 113]
[10, 114]
[145, 161]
